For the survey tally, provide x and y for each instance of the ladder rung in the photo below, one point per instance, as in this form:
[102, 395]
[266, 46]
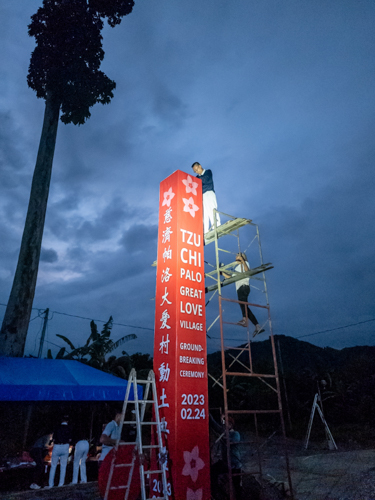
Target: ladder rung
[124, 443]
[118, 488]
[123, 465]
[159, 471]
[142, 423]
[149, 446]
[143, 401]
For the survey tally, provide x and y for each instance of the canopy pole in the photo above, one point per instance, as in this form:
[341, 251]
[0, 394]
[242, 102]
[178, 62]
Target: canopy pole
[27, 425]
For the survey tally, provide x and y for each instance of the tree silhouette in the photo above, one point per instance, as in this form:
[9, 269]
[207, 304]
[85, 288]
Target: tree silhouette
[96, 348]
[64, 70]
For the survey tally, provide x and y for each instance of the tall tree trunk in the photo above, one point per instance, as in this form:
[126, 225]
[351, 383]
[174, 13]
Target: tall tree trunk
[17, 315]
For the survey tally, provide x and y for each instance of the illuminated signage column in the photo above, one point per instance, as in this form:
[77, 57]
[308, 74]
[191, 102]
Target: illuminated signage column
[180, 352]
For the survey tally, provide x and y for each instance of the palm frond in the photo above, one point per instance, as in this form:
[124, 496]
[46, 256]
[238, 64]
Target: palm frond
[61, 353]
[121, 341]
[94, 332]
[106, 332]
[65, 339]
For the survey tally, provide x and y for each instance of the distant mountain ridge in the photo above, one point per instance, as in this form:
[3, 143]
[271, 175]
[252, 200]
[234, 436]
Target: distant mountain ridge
[348, 375]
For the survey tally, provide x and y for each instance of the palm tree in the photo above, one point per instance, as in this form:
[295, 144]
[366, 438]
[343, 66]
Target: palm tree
[64, 70]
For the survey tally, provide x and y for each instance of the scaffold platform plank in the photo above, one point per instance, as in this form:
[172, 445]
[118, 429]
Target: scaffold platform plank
[226, 228]
[239, 276]
[228, 268]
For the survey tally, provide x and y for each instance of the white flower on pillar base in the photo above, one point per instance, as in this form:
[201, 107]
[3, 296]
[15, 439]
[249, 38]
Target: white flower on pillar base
[168, 197]
[194, 495]
[193, 464]
[191, 186]
[190, 206]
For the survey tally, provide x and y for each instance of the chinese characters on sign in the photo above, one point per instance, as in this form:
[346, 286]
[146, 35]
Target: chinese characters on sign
[180, 339]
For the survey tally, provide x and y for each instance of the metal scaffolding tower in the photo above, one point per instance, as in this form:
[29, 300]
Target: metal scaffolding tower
[238, 362]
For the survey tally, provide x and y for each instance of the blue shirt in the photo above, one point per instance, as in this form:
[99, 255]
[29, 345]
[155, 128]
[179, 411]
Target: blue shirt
[207, 181]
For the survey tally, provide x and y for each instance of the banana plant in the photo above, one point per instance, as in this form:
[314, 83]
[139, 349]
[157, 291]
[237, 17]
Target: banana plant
[96, 348]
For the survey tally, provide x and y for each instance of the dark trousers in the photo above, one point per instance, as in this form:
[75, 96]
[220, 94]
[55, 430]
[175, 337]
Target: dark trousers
[37, 454]
[219, 468]
[242, 294]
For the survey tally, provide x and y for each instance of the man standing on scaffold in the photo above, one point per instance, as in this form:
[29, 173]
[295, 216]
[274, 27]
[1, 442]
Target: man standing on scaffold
[209, 196]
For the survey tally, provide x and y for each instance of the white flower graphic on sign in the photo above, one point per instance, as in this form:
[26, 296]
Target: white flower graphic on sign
[194, 495]
[168, 197]
[193, 464]
[190, 206]
[191, 186]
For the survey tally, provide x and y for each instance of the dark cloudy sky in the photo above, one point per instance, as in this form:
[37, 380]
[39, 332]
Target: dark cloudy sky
[276, 97]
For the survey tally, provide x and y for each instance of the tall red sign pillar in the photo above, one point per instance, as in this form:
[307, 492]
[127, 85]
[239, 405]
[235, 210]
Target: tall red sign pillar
[180, 352]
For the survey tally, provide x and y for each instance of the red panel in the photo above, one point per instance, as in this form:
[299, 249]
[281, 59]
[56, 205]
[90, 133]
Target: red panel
[120, 475]
[180, 354]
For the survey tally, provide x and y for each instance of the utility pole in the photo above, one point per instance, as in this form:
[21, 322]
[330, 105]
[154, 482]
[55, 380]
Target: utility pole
[46, 312]
[285, 391]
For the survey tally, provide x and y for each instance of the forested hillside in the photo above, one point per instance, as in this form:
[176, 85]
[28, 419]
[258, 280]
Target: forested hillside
[345, 378]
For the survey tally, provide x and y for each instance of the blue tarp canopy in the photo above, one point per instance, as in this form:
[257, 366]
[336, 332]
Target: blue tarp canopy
[30, 379]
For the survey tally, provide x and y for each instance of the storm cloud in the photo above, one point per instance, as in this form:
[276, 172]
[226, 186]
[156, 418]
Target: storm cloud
[276, 98]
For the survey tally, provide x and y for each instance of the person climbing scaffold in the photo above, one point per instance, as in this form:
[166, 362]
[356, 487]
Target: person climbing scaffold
[243, 291]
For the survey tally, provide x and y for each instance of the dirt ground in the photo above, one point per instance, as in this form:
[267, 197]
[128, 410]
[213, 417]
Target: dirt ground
[316, 474]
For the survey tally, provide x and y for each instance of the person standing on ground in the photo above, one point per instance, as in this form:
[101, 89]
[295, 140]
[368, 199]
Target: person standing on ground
[243, 291]
[62, 438]
[110, 435]
[209, 196]
[37, 453]
[221, 466]
[80, 457]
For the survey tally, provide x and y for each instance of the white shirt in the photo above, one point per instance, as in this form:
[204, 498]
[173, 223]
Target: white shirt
[241, 269]
[111, 430]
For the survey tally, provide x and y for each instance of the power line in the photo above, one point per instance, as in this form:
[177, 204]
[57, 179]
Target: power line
[33, 308]
[103, 321]
[49, 342]
[218, 338]
[38, 316]
[37, 335]
[338, 328]
[316, 333]
[90, 319]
